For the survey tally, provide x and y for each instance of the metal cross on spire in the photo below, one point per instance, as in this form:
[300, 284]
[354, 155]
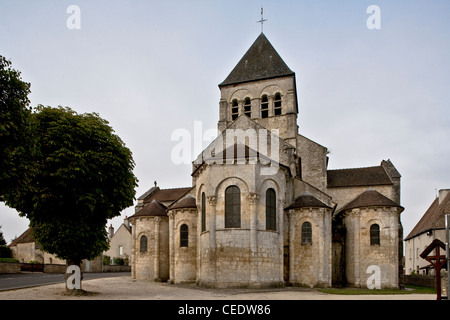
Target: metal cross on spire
[262, 19]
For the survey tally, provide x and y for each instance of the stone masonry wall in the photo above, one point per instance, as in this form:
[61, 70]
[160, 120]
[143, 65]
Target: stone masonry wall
[310, 263]
[360, 254]
[183, 259]
[152, 264]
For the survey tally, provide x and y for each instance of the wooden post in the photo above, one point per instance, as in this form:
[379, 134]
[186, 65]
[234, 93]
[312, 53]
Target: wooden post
[437, 261]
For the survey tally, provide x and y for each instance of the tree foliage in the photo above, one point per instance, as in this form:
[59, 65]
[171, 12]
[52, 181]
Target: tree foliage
[2, 239]
[80, 175]
[14, 130]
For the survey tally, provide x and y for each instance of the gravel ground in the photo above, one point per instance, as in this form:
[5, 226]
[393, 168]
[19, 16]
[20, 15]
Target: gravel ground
[125, 288]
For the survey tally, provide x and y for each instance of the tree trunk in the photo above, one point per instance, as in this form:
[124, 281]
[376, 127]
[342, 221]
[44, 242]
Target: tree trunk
[73, 277]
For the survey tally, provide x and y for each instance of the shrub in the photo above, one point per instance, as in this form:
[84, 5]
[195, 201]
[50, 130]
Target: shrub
[34, 262]
[106, 260]
[119, 261]
[5, 252]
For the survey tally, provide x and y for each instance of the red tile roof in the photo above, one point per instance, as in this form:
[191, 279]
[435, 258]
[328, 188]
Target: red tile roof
[151, 209]
[307, 201]
[370, 198]
[26, 237]
[166, 195]
[188, 202]
[370, 176]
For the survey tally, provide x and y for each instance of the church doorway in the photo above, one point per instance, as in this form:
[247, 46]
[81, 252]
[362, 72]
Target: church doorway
[338, 253]
[286, 265]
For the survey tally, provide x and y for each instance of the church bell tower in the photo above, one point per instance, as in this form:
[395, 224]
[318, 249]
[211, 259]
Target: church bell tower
[262, 87]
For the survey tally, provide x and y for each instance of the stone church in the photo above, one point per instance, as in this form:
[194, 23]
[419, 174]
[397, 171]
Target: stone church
[263, 209]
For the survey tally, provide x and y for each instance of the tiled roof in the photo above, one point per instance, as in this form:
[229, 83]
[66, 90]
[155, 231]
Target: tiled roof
[434, 217]
[151, 209]
[260, 62]
[188, 202]
[370, 176]
[26, 237]
[370, 198]
[307, 201]
[166, 195]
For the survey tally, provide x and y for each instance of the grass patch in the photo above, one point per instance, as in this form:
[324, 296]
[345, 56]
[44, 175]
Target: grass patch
[363, 291]
[424, 290]
[8, 260]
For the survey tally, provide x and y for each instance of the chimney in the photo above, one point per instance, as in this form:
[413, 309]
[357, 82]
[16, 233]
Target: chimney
[442, 194]
[126, 222]
[111, 232]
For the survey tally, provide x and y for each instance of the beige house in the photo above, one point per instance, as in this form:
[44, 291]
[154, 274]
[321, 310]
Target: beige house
[120, 244]
[430, 227]
[25, 249]
[264, 209]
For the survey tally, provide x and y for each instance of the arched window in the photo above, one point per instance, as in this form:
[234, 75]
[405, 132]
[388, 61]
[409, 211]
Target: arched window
[232, 207]
[264, 107]
[203, 212]
[271, 210]
[143, 244]
[277, 104]
[306, 233]
[184, 235]
[374, 234]
[234, 109]
[248, 107]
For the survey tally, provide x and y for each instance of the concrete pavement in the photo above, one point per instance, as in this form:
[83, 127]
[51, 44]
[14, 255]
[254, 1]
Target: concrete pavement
[125, 288]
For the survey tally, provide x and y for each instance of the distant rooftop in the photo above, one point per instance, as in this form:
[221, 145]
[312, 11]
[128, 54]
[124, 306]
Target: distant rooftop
[26, 237]
[434, 217]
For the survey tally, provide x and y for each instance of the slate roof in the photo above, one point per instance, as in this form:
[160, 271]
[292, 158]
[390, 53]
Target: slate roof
[370, 176]
[434, 217]
[307, 201]
[260, 62]
[370, 198]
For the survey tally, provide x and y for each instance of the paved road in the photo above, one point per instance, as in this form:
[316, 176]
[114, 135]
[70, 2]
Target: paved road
[25, 280]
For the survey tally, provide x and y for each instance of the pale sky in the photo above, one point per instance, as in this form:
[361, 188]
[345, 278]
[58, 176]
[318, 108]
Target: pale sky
[151, 67]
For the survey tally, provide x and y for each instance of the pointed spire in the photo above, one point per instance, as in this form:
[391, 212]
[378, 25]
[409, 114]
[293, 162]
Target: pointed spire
[260, 62]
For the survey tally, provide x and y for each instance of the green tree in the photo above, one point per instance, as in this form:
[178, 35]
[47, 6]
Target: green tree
[81, 174]
[14, 130]
[2, 239]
